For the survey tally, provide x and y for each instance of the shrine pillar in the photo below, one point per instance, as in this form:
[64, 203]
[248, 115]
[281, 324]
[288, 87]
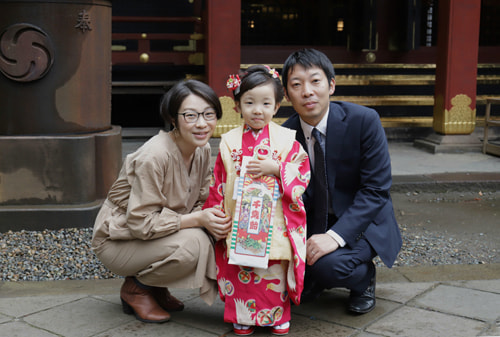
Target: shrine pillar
[456, 67]
[59, 153]
[223, 55]
[456, 78]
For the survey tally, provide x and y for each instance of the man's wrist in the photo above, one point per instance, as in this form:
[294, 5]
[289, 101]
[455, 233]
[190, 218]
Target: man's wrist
[336, 237]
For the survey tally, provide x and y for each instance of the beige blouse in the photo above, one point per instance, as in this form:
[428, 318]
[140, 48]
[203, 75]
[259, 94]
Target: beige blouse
[154, 188]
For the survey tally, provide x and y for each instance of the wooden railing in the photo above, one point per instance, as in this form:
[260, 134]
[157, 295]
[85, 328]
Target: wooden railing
[136, 49]
[180, 55]
[490, 121]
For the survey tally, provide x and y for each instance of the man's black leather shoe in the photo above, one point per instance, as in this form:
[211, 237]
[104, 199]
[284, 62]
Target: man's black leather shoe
[310, 293]
[361, 303]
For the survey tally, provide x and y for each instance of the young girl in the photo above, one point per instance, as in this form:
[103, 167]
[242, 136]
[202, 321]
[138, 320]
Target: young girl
[261, 296]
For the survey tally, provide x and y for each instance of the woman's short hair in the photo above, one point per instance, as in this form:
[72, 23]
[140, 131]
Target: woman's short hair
[172, 100]
[258, 75]
[308, 58]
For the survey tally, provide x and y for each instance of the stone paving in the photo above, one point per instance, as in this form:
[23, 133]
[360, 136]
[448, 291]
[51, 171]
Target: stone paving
[447, 300]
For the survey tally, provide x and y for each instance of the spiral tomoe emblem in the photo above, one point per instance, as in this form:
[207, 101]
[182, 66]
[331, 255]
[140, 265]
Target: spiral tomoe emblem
[26, 53]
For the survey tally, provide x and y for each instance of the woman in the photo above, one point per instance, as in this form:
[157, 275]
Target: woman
[151, 228]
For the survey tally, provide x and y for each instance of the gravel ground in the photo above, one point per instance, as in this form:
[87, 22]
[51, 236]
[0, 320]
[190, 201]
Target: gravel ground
[433, 229]
[448, 228]
[49, 255]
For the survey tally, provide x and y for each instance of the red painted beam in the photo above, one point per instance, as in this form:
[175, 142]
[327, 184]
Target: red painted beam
[223, 38]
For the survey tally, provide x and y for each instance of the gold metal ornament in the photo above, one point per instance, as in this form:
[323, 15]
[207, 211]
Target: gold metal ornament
[144, 58]
[230, 118]
[460, 119]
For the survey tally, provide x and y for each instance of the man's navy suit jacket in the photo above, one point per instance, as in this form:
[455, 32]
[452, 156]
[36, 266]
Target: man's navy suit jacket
[359, 178]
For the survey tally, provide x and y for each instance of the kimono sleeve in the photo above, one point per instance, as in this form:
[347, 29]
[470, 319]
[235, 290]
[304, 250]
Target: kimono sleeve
[216, 191]
[295, 175]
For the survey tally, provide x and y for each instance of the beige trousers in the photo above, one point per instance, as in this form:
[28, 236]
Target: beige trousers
[185, 259]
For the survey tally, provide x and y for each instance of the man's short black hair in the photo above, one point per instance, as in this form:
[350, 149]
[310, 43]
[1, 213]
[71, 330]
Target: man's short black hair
[308, 58]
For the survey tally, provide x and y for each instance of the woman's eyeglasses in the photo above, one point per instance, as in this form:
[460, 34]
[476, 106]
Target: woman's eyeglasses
[192, 116]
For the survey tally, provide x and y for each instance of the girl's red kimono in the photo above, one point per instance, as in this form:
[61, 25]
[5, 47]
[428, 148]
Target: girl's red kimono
[257, 296]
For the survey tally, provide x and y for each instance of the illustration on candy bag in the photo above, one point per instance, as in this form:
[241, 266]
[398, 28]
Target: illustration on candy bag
[253, 220]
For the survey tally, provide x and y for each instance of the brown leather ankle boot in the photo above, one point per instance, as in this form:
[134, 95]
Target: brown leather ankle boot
[166, 300]
[141, 303]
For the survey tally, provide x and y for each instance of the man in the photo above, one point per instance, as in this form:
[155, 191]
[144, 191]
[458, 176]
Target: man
[350, 216]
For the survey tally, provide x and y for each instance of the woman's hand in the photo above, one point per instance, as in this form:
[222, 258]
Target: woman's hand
[263, 167]
[216, 222]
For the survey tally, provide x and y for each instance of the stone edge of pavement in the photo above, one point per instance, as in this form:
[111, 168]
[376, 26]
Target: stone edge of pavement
[445, 182]
[402, 274]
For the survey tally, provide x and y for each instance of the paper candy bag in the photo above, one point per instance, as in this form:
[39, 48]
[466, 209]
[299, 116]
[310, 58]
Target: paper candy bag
[253, 219]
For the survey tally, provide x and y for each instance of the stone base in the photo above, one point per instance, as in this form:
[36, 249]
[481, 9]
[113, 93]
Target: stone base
[41, 217]
[406, 134]
[436, 143]
[56, 181]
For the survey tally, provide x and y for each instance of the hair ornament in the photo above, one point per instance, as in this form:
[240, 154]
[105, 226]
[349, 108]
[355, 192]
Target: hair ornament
[233, 82]
[273, 72]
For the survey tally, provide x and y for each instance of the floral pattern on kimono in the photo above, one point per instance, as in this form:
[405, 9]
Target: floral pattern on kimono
[257, 296]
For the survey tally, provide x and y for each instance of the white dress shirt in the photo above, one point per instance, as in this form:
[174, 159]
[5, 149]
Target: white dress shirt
[310, 141]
